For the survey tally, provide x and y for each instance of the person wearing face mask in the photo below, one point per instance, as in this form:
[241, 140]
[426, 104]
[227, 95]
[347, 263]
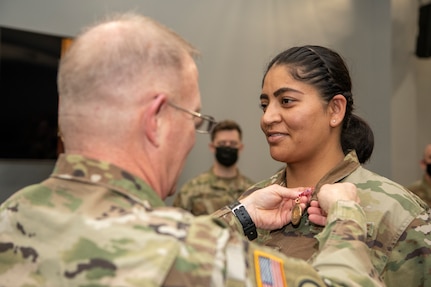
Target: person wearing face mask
[223, 183]
[422, 187]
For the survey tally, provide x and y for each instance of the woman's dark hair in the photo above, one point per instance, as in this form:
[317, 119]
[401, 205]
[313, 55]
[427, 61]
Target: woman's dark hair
[326, 70]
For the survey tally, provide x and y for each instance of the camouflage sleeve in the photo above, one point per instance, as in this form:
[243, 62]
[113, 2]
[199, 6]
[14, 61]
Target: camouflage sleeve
[413, 256]
[216, 256]
[343, 256]
[343, 259]
[181, 199]
[156, 247]
[229, 219]
[177, 200]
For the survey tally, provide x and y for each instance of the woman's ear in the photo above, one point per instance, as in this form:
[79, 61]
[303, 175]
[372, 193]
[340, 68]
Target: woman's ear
[337, 109]
[153, 119]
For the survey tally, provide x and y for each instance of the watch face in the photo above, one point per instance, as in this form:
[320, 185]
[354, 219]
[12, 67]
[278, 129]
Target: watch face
[296, 214]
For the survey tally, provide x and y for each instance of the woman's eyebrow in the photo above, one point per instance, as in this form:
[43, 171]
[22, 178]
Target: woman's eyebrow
[279, 92]
[283, 90]
[263, 96]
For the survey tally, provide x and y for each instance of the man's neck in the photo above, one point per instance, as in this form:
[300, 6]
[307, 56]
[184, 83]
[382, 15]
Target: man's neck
[223, 171]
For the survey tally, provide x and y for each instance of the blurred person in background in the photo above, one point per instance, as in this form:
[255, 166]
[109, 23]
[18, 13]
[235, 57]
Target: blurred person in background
[422, 187]
[223, 182]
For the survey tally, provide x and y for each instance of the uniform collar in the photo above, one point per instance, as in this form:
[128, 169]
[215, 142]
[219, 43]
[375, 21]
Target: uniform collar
[343, 169]
[80, 168]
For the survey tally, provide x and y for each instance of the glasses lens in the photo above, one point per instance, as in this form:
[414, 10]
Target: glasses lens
[200, 124]
[232, 144]
[205, 125]
[211, 125]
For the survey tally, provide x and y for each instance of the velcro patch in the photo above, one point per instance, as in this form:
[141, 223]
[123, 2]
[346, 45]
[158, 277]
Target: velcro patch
[269, 270]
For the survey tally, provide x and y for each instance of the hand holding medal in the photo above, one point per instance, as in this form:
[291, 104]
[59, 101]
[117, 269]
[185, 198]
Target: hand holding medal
[296, 209]
[271, 207]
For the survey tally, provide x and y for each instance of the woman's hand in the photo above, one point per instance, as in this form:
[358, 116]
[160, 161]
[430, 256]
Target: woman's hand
[316, 214]
[328, 195]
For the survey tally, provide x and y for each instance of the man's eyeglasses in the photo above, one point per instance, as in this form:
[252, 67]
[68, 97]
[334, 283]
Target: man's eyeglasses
[205, 123]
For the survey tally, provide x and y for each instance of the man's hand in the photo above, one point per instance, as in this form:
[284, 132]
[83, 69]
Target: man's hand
[327, 196]
[271, 207]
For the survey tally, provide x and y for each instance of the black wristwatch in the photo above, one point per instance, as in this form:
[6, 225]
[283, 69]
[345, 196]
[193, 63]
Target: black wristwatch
[247, 223]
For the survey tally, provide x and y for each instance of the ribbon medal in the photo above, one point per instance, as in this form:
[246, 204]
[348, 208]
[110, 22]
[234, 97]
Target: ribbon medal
[297, 210]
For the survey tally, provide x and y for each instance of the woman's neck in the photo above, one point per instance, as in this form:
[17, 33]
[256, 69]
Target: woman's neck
[308, 174]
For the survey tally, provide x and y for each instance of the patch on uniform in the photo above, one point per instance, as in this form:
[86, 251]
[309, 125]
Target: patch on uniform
[269, 270]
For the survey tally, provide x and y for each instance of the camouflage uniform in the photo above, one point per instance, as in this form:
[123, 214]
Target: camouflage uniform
[398, 225]
[207, 192]
[94, 224]
[422, 189]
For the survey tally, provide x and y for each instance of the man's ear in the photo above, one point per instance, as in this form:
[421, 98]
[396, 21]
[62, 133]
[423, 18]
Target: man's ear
[240, 147]
[153, 119]
[423, 164]
[211, 147]
[337, 109]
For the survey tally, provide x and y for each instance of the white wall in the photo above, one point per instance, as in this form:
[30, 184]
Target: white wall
[411, 94]
[237, 38]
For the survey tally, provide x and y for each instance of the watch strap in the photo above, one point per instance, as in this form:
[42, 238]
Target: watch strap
[248, 226]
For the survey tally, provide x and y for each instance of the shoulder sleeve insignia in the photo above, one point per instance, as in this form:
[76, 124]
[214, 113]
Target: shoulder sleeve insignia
[269, 270]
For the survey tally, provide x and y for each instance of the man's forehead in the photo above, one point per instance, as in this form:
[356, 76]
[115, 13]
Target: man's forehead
[227, 135]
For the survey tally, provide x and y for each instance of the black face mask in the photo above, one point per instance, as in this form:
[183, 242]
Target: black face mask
[226, 156]
[429, 169]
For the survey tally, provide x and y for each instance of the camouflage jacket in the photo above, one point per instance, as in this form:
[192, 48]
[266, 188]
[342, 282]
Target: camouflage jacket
[422, 189]
[398, 225]
[94, 224]
[207, 192]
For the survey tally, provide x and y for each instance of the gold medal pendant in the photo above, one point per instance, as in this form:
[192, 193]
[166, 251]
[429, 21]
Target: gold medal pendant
[296, 212]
